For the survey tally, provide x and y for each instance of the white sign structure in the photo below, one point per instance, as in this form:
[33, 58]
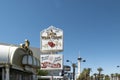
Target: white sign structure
[51, 39]
[51, 62]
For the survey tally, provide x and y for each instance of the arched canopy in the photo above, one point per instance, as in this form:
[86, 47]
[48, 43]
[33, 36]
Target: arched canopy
[30, 60]
[7, 53]
[14, 55]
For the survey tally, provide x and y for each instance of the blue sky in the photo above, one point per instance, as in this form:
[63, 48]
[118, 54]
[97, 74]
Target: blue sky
[91, 27]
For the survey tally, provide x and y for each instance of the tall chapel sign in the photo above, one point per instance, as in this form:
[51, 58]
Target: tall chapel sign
[51, 39]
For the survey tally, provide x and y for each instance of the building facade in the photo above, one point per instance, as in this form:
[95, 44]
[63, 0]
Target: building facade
[18, 62]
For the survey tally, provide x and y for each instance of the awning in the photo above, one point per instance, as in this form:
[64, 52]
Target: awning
[13, 55]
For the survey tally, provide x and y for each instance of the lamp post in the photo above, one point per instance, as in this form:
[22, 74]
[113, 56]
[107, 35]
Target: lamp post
[73, 66]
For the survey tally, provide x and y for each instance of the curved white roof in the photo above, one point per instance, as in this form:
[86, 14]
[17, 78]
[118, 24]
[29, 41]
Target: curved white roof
[6, 53]
[14, 54]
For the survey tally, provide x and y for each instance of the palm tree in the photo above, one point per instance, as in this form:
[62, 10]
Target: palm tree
[107, 77]
[99, 72]
[118, 76]
[95, 74]
[102, 76]
[91, 78]
[81, 76]
[112, 76]
[85, 75]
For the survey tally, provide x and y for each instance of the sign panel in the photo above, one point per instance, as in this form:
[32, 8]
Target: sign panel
[52, 39]
[67, 68]
[51, 62]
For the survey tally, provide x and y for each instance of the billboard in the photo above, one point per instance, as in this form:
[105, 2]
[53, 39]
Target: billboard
[51, 39]
[51, 62]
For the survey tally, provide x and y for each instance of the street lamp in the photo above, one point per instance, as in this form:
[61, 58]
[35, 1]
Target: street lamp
[73, 66]
[81, 59]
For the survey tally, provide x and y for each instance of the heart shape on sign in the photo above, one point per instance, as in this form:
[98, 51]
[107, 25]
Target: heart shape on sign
[51, 44]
